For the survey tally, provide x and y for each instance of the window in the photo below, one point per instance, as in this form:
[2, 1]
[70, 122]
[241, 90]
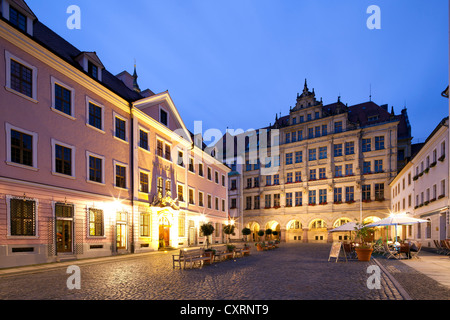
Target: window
[276, 200]
[349, 148]
[294, 136]
[312, 197]
[338, 150]
[288, 137]
[256, 202]
[209, 201]
[289, 177]
[442, 189]
[209, 174]
[95, 168]
[144, 225]
[200, 199]
[167, 155]
[317, 131]
[349, 169]
[298, 157]
[168, 187]
[248, 203]
[21, 148]
[223, 205]
[349, 194]
[366, 145]
[181, 225]
[322, 174]
[312, 154]
[366, 192]
[379, 191]
[143, 139]
[92, 70]
[249, 183]
[338, 126]
[337, 195]
[310, 133]
[21, 78]
[289, 199]
[180, 192]
[200, 169]
[191, 196]
[191, 164]
[276, 179]
[180, 160]
[163, 117]
[312, 174]
[324, 130]
[63, 159]
[95, 116]
[159, 186]
[268, 180]
[62, 98]
[298, 199]
[17, 19]
[96, 222]
[322, 196]
[323, 153]
[366, 167]
[338, 171]
[216, 177]
[268, 201]
[379, 143]
[298, 176]
[288, 158]
[160, 148]
[22, 217]
[121, 176]
[378, 166]
[143, 182]
[120, 125]
[255, 182]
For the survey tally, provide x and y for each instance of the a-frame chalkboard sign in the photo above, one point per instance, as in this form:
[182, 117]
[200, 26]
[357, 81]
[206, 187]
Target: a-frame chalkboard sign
[336, 250]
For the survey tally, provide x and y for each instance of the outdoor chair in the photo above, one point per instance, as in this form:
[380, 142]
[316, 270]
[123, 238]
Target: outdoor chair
[446, 247]
[349, 251]
[391, 253]
[439, 249]
[415, 254]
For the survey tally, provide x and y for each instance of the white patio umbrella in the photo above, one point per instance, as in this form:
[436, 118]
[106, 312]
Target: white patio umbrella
[396, 220]
[349, 226]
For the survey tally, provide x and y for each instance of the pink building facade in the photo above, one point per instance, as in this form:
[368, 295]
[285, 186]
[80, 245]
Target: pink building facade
[90, 165]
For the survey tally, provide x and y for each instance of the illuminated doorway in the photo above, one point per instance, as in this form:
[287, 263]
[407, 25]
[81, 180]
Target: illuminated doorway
[121, 230]
[164, 232]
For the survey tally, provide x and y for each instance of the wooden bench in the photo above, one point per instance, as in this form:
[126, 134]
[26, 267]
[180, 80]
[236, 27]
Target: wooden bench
[222, 252]
[189, 256]
[242, 251]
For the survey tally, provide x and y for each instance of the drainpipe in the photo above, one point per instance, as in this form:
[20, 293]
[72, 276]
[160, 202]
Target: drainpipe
[132, 174]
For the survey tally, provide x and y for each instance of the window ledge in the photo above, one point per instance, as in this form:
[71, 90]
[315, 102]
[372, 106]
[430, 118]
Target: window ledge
[68, 116]
[21, 95]
[96, 129]
[21, 166]
[63, 175]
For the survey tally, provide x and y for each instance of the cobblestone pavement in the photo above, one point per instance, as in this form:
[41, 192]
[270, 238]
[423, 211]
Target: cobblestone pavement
[291, 272]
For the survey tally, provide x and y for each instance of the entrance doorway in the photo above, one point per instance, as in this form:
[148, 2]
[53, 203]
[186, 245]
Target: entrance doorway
[164, 232]
[64, 227]
[121, 230]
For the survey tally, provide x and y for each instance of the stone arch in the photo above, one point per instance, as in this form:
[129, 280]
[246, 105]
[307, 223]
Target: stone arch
[294, 231]
[274, 226]
[254, 228]
[317, 230]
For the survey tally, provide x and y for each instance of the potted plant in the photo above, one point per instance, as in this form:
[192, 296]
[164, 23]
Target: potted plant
[229, 230]
[246, 232]
[268, 233]
[260, 233]
[364, 249]
[207, 230]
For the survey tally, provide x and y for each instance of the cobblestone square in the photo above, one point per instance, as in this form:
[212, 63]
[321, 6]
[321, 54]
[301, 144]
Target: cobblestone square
[291, 272]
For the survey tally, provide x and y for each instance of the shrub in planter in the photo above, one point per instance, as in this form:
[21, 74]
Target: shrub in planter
[207, 230]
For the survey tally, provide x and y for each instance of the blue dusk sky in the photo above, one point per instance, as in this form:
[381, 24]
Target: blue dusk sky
[238, 63]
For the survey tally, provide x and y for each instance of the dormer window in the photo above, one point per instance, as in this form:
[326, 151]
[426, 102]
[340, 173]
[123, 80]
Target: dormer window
[92, 70]
[163, 117]
[18, 19]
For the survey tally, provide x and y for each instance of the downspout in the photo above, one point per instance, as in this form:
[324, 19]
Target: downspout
[132, 173]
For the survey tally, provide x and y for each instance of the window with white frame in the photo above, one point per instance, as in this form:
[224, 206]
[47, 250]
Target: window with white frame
[21, 77]
[120, 175]
[22, 216]
[143, 139]
[63, 156]
[95, 114]
[21, 147]
[120, 127]
[95, 168]
[63, 98]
